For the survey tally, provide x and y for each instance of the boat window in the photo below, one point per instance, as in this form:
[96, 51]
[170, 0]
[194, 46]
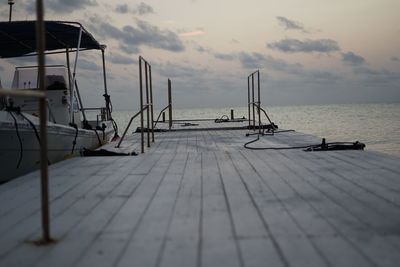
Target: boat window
[55, 82]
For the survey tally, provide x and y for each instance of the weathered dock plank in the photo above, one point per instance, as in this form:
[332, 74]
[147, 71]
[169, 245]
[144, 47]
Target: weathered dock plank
[219, 244]
[199, 198]
[181, 244]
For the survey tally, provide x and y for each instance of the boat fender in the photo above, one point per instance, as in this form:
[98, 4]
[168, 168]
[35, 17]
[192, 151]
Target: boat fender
[104, 142]
[115, 138]
[69, 156]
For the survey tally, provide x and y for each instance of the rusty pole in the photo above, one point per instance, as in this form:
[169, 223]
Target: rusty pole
[141, 104]
[151, 105]
[40, 42]
[146, 65]
[169, 104]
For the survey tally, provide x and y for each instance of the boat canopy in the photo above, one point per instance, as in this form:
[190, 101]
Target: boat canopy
[18, 38]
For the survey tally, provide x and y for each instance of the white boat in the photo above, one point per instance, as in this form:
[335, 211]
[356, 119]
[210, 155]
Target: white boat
[69, 130]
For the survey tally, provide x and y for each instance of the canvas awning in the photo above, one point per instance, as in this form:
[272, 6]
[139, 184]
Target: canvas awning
[18, 38]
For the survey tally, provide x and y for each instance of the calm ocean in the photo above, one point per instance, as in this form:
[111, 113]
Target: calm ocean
[376, 125]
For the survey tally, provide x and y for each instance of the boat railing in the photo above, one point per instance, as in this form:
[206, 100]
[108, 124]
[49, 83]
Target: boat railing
[104, 114]
[148, 106]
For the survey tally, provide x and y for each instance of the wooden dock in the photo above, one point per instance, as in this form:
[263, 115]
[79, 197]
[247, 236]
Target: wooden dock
[199, 198]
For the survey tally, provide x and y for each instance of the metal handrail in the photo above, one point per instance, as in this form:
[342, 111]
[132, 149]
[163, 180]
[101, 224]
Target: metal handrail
[169, 106]
[170, 103]
[146, 106]
[159, 115]
[148, 86]
[271, 123]
[253, 102]
[22, 93]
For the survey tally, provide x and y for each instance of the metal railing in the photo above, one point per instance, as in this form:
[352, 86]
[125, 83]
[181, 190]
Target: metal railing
[169, 107]
[251, 103]
[148, 106]
[104, 114]
[255, 104]
[145, 107]
[266, 115]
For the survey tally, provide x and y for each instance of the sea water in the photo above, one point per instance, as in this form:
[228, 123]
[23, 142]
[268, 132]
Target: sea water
[376, 125]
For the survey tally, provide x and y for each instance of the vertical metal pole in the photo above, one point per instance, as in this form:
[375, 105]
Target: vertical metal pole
[74, 76]
[141, 103]
[151, 106]
[40, 39]
[11, 3]
[76, 85]
[253, 101]
[170, 104]
[259, 102]
[69, 70]
[248, 98]
[105, 83]
[80, 101]
[147, 102]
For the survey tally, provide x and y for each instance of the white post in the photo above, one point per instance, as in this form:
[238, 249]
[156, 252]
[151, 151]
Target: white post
[71, 111]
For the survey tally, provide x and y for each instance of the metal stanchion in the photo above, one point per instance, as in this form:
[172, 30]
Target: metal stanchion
[40, 39]
[253, 100]
[147, 102]
[248, 98]
[169, 104]
[151, 105]
[141, 104]
[259, 102]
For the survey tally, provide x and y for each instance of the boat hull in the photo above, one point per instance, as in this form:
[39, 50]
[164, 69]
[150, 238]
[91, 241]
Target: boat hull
[19, 156]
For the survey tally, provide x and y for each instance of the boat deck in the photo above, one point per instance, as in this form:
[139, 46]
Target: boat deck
[199, 198]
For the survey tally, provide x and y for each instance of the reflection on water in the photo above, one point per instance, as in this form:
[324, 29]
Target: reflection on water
[376, 125]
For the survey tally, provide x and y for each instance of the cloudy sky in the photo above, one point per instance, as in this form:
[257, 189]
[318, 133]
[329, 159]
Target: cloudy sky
[308, 52]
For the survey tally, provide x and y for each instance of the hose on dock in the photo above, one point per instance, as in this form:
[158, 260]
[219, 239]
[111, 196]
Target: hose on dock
[102, 152]
[225, 118]
[316, 147]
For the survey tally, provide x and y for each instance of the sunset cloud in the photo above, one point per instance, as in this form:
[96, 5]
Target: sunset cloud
[393, 58]
[226, 57]
[141, 9]
[143, 34]
[59, 6]
[291, 24]
[352, 59]
[192, 33]
[303, 52]
[306, 46]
